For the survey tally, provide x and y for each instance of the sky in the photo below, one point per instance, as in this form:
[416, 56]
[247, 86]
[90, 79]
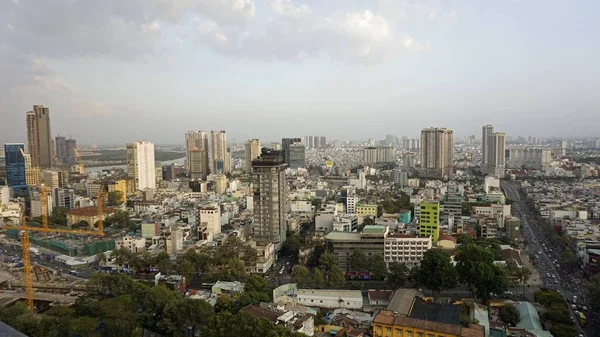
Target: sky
[117, 71]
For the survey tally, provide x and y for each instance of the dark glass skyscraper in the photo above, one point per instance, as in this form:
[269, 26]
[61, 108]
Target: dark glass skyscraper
[15, 166]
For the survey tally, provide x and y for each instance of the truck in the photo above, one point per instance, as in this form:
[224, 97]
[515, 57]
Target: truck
[34, 250]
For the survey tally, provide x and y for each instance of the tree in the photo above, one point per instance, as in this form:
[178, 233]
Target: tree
[120, 218]
[476, 269]
[186, 269]
[258, 284]
[317, 278]
[464, 239]
[327, 260]
[509, 315]
[335, 277]
[358, 261]
[59, 216]
[594, 292]
[436, 272]
[378, 266]
[291, 247]
[115, 198]
[185, 314]
[101, 258]
[568, 258]
[301, 276]
[397, 275]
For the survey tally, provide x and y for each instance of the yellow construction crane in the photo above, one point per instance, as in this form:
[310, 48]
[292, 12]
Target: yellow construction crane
[25, 245]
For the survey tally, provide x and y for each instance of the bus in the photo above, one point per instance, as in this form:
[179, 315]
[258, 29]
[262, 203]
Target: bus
[582, 318]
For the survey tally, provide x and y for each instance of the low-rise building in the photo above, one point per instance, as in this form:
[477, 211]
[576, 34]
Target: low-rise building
[132, 244]
[88, 214]
[406, 249]
[234, 289]
[387, 324]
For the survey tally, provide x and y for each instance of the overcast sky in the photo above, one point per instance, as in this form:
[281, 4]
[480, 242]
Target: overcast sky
[114, 71]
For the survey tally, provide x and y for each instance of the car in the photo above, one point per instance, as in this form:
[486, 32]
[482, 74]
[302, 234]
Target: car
[555, 281]
[584, 308]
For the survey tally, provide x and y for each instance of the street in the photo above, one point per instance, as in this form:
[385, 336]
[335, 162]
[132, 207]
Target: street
[568, 284]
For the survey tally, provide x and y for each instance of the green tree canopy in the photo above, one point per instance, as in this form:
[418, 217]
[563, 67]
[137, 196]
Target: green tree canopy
[476, 269]
[397, 275]
[509, 315]
[594, 292]
[359, 261]
[378, 266]
[436, 272]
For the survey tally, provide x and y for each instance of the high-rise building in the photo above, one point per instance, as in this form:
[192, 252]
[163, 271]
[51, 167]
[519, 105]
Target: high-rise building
[429, 220]
[168, 172]
[64, 197]
[310, 144]
[141, 165]
[32, 174]
[378, 155]
[60, 144]
[197, 164]
[437, 153]
[197, 139]
[297, 156]
[408, 160]
[71, 145]
[270, 197]
[323, 142]
[39, 140]
[15, 166]
[251, 151]
[285, 148]
[218, 145]
[492, 148]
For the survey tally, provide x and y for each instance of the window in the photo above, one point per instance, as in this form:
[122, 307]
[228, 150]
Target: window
[430, 335]
[389, 330]
[398, 332]
[409, 333]
[419, 334]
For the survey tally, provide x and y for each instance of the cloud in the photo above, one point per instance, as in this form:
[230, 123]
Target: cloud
[295, 32]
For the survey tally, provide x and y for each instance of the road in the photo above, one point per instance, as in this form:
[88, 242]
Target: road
[548, 266]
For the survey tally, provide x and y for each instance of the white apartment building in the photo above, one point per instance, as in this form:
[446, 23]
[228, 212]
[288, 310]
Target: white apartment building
[210, 218]
[132, 244]
[141, 165]
[174, 242]
[378, 155]
[301, 206]
[345, 223]
[405, 248]
[332, 299]
[399, 177]
[536, 158]
[351, 200]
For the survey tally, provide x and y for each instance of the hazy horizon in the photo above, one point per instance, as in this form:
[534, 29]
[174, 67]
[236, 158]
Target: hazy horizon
[345, 69]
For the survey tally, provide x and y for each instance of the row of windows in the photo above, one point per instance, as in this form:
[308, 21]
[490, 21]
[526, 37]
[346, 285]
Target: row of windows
[409, 333]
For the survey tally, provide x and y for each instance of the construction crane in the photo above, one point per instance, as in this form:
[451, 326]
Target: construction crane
[25, 245]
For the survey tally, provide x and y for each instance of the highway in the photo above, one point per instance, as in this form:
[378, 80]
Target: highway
[548, 265]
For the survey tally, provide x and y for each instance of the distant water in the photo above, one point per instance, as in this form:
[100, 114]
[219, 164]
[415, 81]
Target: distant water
[100, 168]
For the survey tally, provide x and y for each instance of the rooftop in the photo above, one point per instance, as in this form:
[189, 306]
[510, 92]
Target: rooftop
[330, 293]
[374, 229]
[435, 312]
[259, 312]
[402, 300]
[89, 211]
[387, 317]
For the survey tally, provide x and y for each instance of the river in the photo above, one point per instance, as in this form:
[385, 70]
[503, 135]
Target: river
[124, 167]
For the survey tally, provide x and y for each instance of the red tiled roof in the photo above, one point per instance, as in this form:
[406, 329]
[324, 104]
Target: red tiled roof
[89, 211]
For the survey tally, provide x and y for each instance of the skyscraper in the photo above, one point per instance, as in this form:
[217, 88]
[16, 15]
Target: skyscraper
[71, 145]
[60, 143]
[141, 165]
[15, 166]
[486, 132]
[323, 142]
[492, 148]
[197, 164]
[196, 139]
[218, 145]
[270, 194]
[251, 151]
[39, 141]
[437, 153]
[285, 147]
[297, 156]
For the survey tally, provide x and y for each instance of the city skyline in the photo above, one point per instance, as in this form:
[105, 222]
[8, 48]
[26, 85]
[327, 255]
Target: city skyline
[252, 68]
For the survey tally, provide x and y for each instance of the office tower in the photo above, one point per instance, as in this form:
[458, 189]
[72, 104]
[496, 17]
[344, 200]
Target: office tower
[408, 160]
[251, 151]
[437, 153]
[60, 144]
[71, 145]
[197, 139]
[32, 174]
[15, 166]
[323, 142]
[285, 148]
[39, 140]
[227, 162]
[486, 132]
[413, 144]
[297, 156]
[168, 172]
[141, 165]
[218, 145]
[269, 197]
[429, 220]
[399, 177]
[197, 164]
[51, 179]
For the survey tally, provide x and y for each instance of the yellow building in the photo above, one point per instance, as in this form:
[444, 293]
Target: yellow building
[220, 184]
[386, 324]
[32, 176]
[366, 210]
[429, 220]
